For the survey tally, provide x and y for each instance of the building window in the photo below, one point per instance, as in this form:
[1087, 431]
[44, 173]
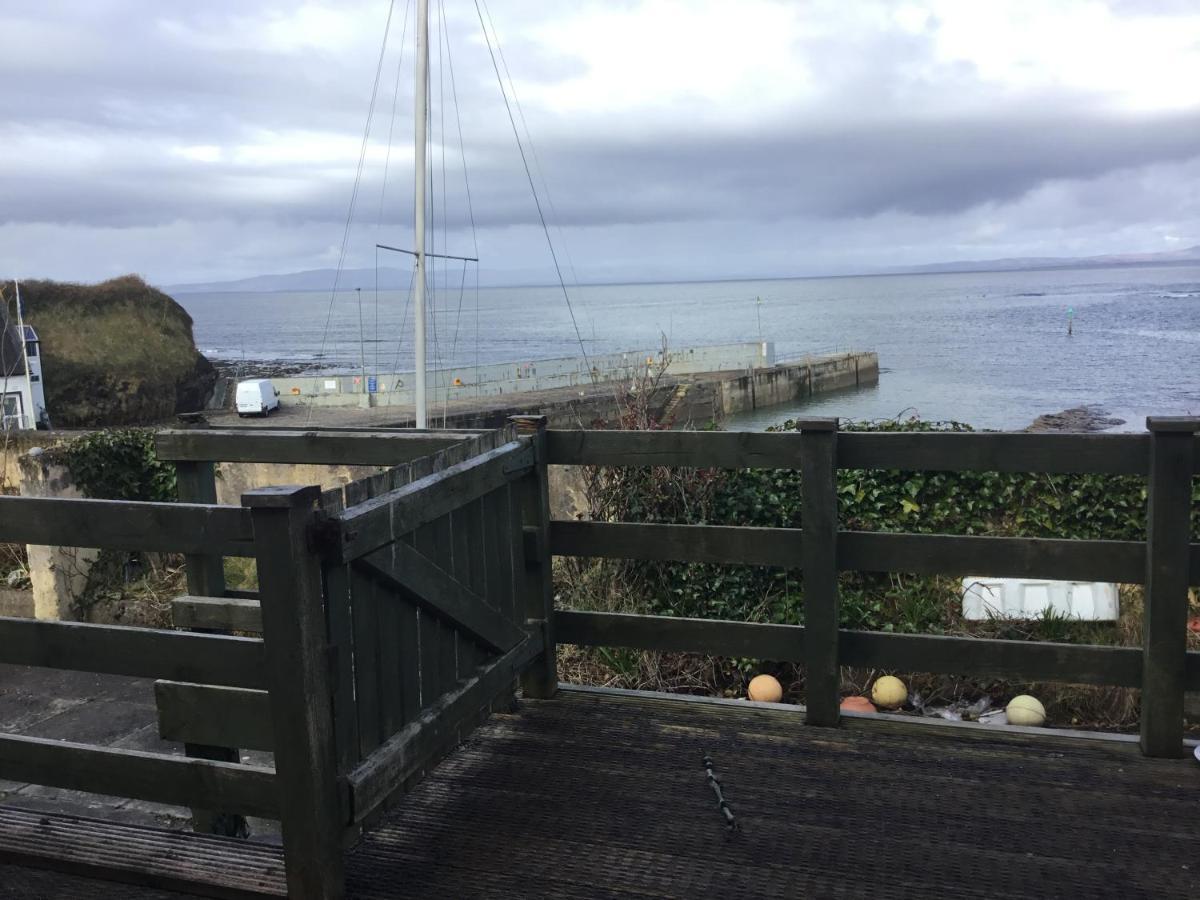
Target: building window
[31, 349]
[11, 412]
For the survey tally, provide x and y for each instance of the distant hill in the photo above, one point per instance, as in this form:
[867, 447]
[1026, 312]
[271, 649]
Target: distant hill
[1189, 255]
[309, 280]
[391, 279]
[399, 279]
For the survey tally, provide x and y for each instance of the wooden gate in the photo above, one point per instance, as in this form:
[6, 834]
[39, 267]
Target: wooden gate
[427, 598]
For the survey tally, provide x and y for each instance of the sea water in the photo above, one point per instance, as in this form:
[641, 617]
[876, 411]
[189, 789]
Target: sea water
[989, 348]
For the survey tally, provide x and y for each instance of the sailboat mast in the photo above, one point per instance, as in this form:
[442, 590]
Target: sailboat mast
[420, 114]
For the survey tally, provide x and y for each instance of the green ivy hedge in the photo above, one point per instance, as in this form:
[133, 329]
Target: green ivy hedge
[120, 464]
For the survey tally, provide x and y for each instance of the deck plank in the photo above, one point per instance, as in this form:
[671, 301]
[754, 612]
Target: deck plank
[593, 795]
[602, 796]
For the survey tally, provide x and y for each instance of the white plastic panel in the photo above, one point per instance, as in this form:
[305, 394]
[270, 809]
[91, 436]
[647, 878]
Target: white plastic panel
[1029, 598]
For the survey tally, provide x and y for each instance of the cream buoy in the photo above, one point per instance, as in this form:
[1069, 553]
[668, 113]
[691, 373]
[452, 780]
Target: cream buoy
[889, 692]
[765, 688]
[1025, 710]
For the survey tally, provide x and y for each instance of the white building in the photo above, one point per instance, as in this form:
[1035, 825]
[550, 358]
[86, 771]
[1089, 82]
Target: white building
[22, 398]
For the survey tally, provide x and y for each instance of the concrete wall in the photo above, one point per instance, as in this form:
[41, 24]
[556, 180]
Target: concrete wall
[58, 574]
[793, 381]
[396, 389]
[234, 479]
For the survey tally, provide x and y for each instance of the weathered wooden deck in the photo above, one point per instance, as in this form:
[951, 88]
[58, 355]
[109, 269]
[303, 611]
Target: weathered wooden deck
[590, 795]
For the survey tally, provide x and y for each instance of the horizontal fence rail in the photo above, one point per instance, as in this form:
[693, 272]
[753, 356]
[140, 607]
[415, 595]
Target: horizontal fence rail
[127, 525]
[388, 517]
[950, 655]
[922, 554]
[137, 652]
[215, 716]
[143, 776]
[1113, 454]
[307, 446]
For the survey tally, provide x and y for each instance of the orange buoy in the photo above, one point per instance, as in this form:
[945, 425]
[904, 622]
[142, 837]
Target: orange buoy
[765, 688]
[858, 704]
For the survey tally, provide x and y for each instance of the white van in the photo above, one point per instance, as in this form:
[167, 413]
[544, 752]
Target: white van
[256, 397]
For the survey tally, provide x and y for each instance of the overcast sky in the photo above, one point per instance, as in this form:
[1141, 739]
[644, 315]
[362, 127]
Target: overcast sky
[678, 139]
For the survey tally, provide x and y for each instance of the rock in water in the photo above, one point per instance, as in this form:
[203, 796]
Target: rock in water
[1079, 418]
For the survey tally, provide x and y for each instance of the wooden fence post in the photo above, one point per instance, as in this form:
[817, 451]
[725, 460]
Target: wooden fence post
[535, 581]
[1168, 524]
[297, 660]
[818, 563]
[197, 483]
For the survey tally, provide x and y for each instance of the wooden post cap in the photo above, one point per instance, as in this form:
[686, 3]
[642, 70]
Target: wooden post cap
[529, 424]
[284, 496]
[1187, 424]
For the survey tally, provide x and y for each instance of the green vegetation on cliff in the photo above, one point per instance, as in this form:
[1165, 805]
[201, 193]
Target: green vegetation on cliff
[116, 353]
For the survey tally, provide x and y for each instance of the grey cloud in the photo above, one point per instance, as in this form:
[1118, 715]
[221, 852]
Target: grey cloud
[885, 145]
[929, 168]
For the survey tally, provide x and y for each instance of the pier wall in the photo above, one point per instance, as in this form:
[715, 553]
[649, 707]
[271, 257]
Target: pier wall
[468, 382]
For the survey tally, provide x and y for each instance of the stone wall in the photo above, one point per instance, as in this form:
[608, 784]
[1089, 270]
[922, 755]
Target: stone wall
[234, 479]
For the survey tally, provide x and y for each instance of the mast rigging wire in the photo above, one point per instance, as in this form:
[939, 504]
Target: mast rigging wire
[533, 188]
[362, 155]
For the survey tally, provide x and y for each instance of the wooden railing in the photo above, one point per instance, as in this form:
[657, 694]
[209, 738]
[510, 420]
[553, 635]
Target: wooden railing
[1166, 563]
[235, 663]
[426, 592]
[395, 613]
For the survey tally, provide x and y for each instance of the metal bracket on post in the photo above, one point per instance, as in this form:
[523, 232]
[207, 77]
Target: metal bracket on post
[1168, 534]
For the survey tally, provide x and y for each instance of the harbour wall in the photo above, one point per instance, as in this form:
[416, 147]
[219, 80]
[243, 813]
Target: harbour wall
[468, 382]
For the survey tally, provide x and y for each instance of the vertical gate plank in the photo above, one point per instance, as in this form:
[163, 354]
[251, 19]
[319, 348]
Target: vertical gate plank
[443, 556]
[391, 663]
[410, 655]
[498, 552]
[340, 622]
[428, 539]
[389, 618]
[818, 563]
[460, 569]
[366, 661]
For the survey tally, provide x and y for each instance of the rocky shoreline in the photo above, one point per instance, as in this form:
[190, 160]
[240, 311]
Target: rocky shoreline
[265, 368]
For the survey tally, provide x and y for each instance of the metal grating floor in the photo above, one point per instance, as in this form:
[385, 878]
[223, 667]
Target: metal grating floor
[591, 795]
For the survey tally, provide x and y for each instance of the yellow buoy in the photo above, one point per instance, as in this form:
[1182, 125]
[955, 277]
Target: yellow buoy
[765, 688]
[889, 692]
[1025, 710]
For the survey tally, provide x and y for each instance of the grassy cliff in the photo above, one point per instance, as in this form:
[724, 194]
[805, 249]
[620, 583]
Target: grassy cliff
[116, 353]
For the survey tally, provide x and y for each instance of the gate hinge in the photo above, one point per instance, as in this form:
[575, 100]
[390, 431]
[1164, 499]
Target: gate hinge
[325, 535]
